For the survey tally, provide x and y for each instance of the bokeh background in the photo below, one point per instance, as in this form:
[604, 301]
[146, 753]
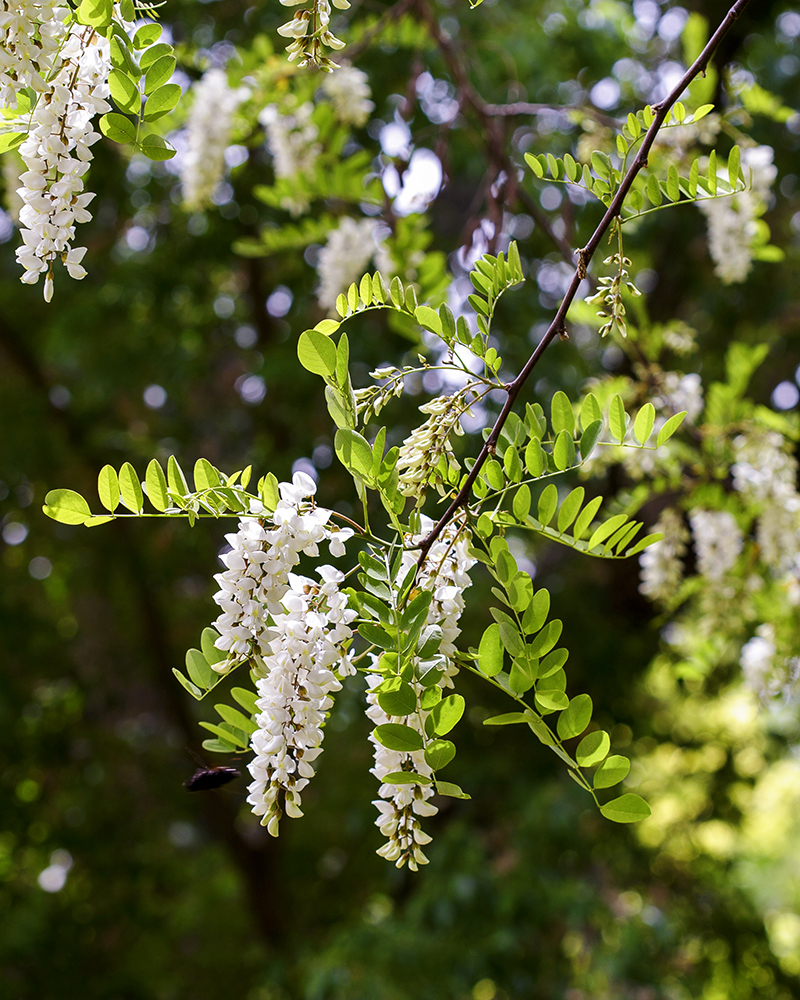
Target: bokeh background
[115, 883]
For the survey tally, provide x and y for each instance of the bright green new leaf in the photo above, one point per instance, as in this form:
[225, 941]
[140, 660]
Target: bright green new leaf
[570, 507]
[162, 101]
[247, 699]
[589, 438]
[452, 790]
[159, 73]
[428, 318]
[10, 140]
[628, 808]
[538, 610]
[612, 771]
[643, 425]
[592, 748]
[606, 530]
[585, 518]
[184, 681]
[207, 639]
[534, 164]
[548, 502]
[205, 475]
[562, 416]
[237, 736]
[734, 159]
[511, 639]
[396, 736]
[317, 354]
[354, 452]
[546, 639]
[397, 697]
[66, 506]
[490, 651]
[95, 13]
[534, 458]
[563, 451]
[156, 486]
[616, 418]
[669, 428]
[446, 714]
[218, 746]
[576, 717]
[507, 719]
[439, 753]
[493, 474]
[130, 488]
[146, 35]
[124, 91]
[521, 505]
[108, 487]
[198, 669]
[406, 778]
[118, 128]
[235, 718]
[590, 411]
[155, 147]
[551, 700]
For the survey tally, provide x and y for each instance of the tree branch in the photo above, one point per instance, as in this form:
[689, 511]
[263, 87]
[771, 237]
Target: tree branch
[585, 256]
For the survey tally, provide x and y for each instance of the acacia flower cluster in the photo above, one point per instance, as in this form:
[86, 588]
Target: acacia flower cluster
[305, 654]
[311, 33]
[344, 258]
[208, 133]
[292, 630]
[348, 89]
[57, 152]
[292, 141]
[31, 33]
[766, 476]
[401, 806]
[661, 566]
[768, 675]
[422, 450]
[732, 220]
[717, 541]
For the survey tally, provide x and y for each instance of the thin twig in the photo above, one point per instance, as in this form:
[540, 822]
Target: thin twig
[585, 255]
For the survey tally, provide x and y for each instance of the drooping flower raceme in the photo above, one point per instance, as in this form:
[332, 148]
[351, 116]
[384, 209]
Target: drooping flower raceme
[348, 89]
[422, 450]
[311, 34]
[345, 257]
[717, 541]
[661, 566]
[31, 33]
[292, 631]
[292, 141]
[305, 655]
[766, 475]
[57, 155]
[209, 129]
[402, 806]
[731, 220]
[772, 677]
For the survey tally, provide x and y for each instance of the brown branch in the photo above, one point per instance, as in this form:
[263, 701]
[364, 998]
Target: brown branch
[585, 255]
[524, 109]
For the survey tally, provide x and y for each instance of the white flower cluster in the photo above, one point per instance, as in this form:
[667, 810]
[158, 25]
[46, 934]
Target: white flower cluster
[208, 132]
[57, 153]
[31, 33]
[258, 565]
[311, 33]
[766, 677]
[345, 257]
[766, 475]
[292, 630]
[717, 541]
[426, 444]
[292, 141]
[304, 657]
[732, 220]
[400, 807]
[348, 89]
[661, 566]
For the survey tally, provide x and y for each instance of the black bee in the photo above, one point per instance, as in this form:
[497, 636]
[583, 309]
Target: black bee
[206, 778]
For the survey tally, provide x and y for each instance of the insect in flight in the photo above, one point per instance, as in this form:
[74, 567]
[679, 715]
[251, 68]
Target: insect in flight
[206, 778]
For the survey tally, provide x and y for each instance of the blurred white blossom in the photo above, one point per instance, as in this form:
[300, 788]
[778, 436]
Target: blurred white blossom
[208, 132]
[348, 89]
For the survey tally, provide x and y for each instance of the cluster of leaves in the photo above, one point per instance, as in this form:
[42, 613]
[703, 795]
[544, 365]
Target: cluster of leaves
[139, 81]
[525, 634]
[393, 620]
[602, 179]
